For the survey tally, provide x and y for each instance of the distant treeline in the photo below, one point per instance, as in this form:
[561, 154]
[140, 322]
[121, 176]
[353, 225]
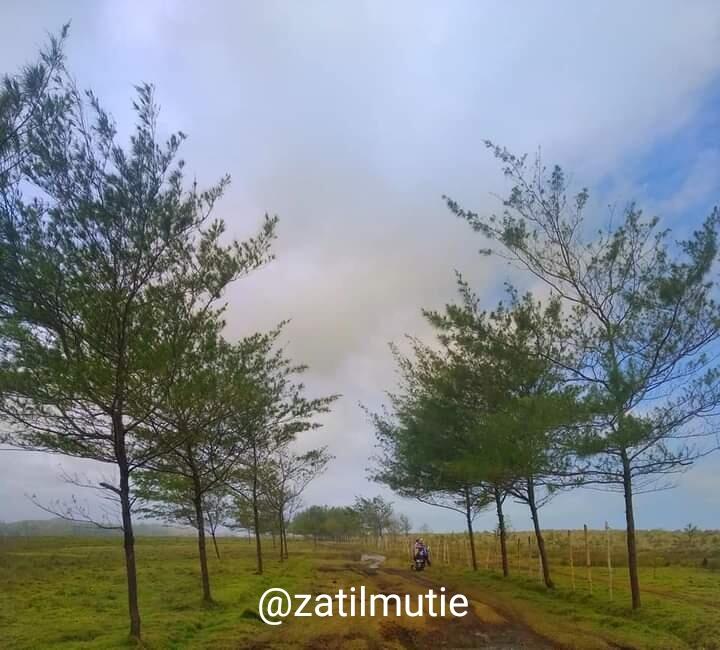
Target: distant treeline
[367, 517]
[62, 528]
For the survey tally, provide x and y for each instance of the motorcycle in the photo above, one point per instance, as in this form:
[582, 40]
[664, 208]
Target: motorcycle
[421, 561]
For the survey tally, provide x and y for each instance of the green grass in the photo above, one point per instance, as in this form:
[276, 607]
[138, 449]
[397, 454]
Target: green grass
[666, 620]
[680, 587]
[70, 593]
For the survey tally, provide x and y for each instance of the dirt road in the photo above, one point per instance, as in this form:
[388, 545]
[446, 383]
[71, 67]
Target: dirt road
[482, 627]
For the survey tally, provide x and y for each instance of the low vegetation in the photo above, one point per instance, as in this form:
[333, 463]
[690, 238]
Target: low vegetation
[69, 592]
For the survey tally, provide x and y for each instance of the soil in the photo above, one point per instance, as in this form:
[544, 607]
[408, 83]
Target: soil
[482, 627]
[467, 632]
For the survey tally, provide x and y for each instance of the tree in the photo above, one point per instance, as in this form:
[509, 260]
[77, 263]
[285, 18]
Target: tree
[375, 515]
[256, 518]
[691, 531]
[218, 508]
[425, 438]
[325, 522]
[170, 497]
[404, 524]
[312, 521]
[482, 415]
[410, 468]
[34, 97]
[267, 420]
[641, 321]
[289, 473]
[109, 267]
[196, 410]
[526, 421]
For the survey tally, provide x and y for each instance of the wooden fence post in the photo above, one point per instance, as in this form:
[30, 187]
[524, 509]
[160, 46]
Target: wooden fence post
[588, 564]
[609, 561]
[529, 558]
[497, 563]
[572, 564]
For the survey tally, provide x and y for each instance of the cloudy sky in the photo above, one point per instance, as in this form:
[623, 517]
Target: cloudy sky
[350, 120]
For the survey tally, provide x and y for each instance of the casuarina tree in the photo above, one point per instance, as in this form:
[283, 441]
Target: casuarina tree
[422, 439]
[196, 413]
[642, 324]
[110, 265]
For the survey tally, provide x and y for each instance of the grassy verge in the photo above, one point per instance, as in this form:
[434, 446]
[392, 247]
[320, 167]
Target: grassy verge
[681, 605]
[70, 593]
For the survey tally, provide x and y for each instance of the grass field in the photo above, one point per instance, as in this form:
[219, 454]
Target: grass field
[70, 593]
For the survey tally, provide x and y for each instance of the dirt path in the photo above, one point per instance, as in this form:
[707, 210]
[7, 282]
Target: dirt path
[489, 623]
[482, 627]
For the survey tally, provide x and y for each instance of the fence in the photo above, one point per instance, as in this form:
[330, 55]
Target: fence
[587, 560]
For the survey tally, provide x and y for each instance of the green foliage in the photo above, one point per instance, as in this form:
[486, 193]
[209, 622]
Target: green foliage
[107, 273]
[640, 327]
[327, 522]
[375, 514]
[30, 99]
[640, 319]
[287, 475]
[110, 269]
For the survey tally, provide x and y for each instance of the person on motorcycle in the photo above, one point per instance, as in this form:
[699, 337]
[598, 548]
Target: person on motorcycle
[422, 551]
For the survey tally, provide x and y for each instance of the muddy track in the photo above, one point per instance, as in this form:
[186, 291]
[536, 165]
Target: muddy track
[487, 624]
[470, 631]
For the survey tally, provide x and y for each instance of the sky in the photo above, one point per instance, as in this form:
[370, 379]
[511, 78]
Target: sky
[350, 121]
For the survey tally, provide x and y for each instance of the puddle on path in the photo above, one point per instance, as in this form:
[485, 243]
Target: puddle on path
[372, 560]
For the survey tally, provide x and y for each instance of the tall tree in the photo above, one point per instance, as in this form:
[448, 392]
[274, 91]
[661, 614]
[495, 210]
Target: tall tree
[109, 266]
[288, 475]
[642, 321]
[417, 459]
[482, 415]
[375, 515]
[527, 418]
[218, 508]
[267, 420]
[196, 411]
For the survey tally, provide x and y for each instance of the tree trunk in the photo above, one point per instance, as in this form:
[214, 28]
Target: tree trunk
[284, 539]
[630, 523]
[202, 549]
[256, 521]
[471, 534]
[538, 534]
[128, 537]
[215, 544]
[501, 526]
[280, 533]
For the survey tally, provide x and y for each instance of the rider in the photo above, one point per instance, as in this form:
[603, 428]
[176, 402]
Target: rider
[422, 551]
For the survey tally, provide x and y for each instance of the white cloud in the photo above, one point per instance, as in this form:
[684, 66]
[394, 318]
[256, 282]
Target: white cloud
[351, 120]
